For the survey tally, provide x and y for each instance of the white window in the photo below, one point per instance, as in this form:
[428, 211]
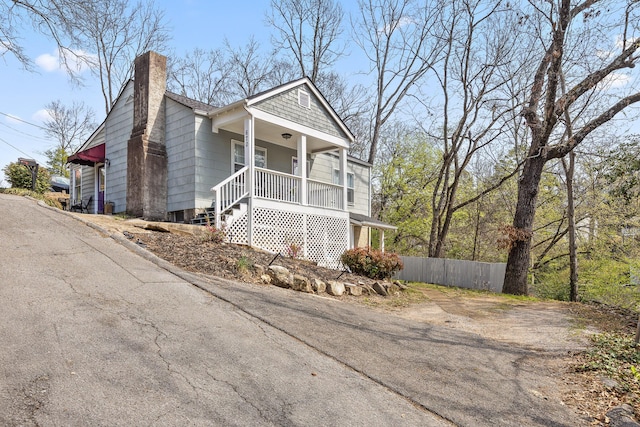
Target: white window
[350, 188]
[260, 155]
[77, 185]
[351, 178]
[304, 99]
[237, 157]
[294, 166]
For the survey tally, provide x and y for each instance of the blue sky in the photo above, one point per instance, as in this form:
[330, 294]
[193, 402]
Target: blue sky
[23, 94]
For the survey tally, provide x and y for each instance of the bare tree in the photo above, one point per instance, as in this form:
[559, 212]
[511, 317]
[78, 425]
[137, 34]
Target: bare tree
[116, 32]
[577, 34]
[396, 36]
[472, 113]
[10, 23]
[252, 71]
[69, 126]
[569, 168]
[106, 35]
[309, 30]
[47, 17]
[218, 77]
[202, 75]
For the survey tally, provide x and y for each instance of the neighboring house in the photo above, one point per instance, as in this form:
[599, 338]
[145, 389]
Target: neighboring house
[162, 156]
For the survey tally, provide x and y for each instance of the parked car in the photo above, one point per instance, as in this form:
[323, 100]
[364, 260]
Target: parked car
[59, 184]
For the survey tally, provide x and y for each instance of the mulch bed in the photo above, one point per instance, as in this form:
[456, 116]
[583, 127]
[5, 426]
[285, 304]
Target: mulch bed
[232, 261]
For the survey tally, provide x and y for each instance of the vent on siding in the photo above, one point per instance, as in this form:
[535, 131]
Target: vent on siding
[304, 99]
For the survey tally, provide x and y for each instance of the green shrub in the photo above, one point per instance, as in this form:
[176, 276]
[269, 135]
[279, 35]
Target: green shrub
[244, 264]
[20, 177]
[372, 262]
[51, 201]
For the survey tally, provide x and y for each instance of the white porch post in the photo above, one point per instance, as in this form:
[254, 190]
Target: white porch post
[302, 168]
[249, 144]
[96, 187]
[381, 239]
[343, 176]
[343, 181]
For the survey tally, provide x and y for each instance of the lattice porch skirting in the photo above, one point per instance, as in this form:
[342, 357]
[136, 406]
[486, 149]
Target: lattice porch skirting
[323, 237]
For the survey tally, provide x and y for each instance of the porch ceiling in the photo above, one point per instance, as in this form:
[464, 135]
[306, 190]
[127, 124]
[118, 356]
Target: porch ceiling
[271, 132]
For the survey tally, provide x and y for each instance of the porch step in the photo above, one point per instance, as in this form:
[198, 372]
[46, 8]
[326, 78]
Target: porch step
[203, 218]
[209, 216]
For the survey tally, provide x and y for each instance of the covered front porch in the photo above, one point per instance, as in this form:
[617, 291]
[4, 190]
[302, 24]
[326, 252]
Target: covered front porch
[272, 207]
[88, 179]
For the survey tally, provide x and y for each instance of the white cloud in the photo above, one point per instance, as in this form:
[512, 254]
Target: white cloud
[402, 22]
[13, 119]
[42, 115]
[616, 50]
[78, 61]
[629, 42]
[48, 62]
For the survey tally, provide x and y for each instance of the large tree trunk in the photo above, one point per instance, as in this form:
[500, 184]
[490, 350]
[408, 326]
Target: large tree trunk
[515, 279]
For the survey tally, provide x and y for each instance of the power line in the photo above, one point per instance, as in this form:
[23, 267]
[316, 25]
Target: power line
[24, 133]
[23, 121]
[17, 149]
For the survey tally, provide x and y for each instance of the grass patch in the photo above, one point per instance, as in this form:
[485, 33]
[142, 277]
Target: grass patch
[49, 199]
[244, 264]
[122, 216]
[464, 292]
[418, 292]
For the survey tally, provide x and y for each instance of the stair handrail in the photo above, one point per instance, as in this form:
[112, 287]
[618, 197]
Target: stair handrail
[229, 192]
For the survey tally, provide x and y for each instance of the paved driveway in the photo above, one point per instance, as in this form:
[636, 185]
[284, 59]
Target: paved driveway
[93, 334]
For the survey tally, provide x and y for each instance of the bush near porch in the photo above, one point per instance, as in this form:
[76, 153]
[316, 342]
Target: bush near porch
[372, 263]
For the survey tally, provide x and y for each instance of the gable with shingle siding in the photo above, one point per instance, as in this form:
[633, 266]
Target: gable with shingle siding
[286, 106]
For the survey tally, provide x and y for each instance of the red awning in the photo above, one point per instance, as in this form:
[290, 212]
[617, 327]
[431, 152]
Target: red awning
[88, 157]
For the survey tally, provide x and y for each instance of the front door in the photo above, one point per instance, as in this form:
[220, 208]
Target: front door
[101, 181]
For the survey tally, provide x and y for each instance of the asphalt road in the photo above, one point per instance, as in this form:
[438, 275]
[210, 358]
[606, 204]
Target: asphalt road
[92, 333]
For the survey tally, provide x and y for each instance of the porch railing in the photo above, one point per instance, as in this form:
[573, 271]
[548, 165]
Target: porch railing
[324, 195]
[277, 186]
[229, 192]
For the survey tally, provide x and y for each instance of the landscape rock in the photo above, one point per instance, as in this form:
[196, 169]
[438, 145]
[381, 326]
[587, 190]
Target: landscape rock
[301, 283]
[265, 278]
[280, 276]
[392, 288]
[259, 269]
[153, 226]
[318, 286]
[335, 288]
[380, 289]
[401, 285]
[622, 416]
[367, 290]
[609, 383]
[352, 289]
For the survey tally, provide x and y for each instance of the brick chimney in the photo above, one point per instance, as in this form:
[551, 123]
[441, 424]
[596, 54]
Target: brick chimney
[146, 149]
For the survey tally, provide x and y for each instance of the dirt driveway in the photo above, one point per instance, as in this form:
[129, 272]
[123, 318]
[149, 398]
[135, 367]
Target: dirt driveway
[548, 326]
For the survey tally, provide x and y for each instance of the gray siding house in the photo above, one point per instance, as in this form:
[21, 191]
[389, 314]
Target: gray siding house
[272, 169]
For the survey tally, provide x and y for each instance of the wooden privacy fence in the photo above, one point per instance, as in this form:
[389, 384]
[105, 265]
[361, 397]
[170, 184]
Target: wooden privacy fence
[452, 272]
